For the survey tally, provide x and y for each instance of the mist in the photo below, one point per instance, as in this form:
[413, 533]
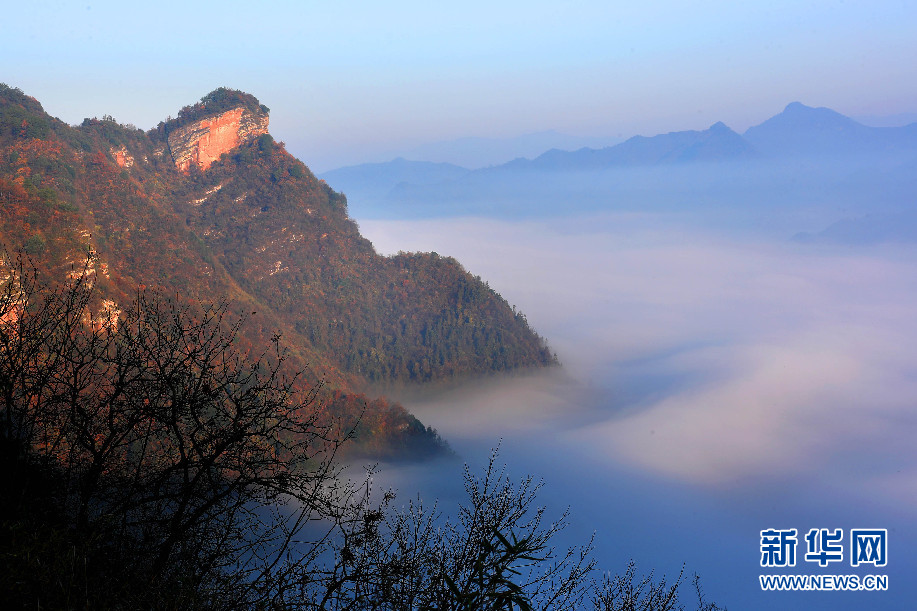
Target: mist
[716, 381]
[733, 314]
[850, 200]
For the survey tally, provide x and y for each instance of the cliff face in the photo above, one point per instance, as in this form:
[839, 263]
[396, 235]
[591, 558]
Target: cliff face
[122, 157]
[202, 142]
[260, 233]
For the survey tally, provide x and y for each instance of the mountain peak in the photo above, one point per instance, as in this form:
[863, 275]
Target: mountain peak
[796, 111]
[217, 102]
[223, 119]
[255, 232]
[796, 107]
[802, 129]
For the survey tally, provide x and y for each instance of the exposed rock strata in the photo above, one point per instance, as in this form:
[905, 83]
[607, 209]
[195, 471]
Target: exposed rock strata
[202, 142]
[122, 157]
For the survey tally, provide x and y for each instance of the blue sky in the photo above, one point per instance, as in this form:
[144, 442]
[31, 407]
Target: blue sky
[352, 81]
[774, 349]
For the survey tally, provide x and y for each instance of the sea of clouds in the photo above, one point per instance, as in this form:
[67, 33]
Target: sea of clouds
[777, 378]
[721, 356]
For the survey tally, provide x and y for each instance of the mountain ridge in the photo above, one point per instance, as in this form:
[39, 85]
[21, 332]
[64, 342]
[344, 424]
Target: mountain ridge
[806, 130]
[250, 224]
[713, 144]
[792, 138]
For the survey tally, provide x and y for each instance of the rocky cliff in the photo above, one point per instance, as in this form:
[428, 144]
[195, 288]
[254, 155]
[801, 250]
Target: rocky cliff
[258, 232]
[202, 142]
[122, 157]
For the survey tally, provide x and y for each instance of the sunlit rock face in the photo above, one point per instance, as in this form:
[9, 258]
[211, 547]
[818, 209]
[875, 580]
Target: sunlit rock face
[122, 157]
[202, 142]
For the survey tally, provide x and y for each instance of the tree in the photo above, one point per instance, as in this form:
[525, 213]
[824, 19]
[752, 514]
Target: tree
[626, 593]
[496, 554]
[196, 464]
[148, 463]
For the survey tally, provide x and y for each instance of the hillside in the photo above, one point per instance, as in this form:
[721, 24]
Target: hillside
[209, 208]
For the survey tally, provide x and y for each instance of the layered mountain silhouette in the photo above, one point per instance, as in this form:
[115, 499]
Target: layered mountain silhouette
[373, 180]
[478, 152]
[797, 132]
[714, 144]
[207, 207]
[802, 130]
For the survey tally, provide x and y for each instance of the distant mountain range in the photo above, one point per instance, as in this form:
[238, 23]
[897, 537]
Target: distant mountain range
[801, 130]
[718, 143]
[798, 132]
[477, 152]
[372, 180]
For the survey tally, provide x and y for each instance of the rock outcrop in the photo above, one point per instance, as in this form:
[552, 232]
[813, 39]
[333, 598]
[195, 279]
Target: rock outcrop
[122, 157]
[202, 142]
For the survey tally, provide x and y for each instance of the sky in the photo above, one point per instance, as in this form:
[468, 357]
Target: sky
[734, 367]
[349, 82]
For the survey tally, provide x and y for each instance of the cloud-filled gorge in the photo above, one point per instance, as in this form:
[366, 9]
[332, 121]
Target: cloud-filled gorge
[722, 358]
[713, 384]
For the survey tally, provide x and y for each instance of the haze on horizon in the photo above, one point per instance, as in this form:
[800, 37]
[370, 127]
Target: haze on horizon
[369, 81]
[689, 323]
[718, 377]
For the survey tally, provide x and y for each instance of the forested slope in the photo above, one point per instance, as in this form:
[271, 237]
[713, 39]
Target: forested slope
[255, 229]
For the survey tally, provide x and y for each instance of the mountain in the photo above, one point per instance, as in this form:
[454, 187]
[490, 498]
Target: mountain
[207, 207]
[413, 188]
[803, 130]
[799, 129]
[553, 181]
[829, 161]
[476, 152]
[718, 143]
[895, 120]
[373, 181]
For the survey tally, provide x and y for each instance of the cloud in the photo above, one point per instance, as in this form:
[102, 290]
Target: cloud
[790, 407]
[720, 358]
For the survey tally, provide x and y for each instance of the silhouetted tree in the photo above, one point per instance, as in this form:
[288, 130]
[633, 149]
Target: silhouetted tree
[625, 592]
[199, 464]
[147, 463]
[496, 554]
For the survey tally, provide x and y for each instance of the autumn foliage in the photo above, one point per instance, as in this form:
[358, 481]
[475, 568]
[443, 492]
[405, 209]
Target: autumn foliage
[258, 232]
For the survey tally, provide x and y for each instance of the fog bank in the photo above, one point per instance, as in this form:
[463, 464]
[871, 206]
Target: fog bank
[717, 357]
[714, 383]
